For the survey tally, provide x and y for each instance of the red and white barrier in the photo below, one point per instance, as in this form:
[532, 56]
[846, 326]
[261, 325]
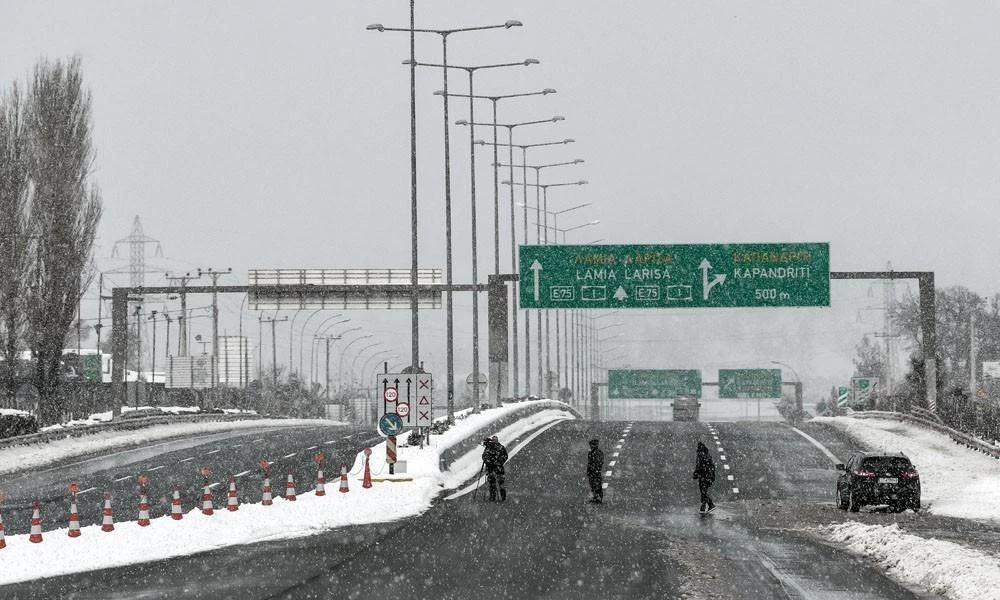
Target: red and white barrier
[320, 479]
[176, 510]
[108, 524]
[207, 508]
[3, 543]
[233, 501]
[268, 497]
[74, 518]
[36, 524]
[143, 509]
[367, 481]
[290, 488]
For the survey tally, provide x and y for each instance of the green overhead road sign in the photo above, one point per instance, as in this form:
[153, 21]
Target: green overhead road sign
[749, 383]
[675, 276]
[654, 383]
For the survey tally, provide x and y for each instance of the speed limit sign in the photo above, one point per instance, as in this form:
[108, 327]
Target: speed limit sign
[402, 409]
[390, 394]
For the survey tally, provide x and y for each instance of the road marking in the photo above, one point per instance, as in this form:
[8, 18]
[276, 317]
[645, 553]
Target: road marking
[123, 478]
[726, 467]
[312, 447]
[474, 484]
[723, 456]
[187, 459]
[335, 441]
[615, 455]
[86, 490]
[216, 484]
[260, 441]
[818, 444]
[618, 447]
[242, 474]
[612, 463]
[288, 455]
[608, 474]
[156, 468]
[604, 486]
[237, 445]
[217, 450]
[736, 490]
[729, 477]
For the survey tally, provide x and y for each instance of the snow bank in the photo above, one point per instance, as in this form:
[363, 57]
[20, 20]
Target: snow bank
[941, 567]
[410, 494]
[955, 481]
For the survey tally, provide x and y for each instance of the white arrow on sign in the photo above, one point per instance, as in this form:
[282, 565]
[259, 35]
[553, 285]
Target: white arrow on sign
[705, 285]
[536, 267]
[620, 294]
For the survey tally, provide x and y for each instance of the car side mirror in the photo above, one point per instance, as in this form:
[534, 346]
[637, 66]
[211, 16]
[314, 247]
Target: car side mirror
[840, 467]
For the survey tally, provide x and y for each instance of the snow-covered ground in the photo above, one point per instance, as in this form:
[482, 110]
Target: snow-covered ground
[411, 494]
[19, 458]
[955, 482]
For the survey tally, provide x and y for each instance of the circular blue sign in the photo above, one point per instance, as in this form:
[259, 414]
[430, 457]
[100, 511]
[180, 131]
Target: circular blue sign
[390, 424]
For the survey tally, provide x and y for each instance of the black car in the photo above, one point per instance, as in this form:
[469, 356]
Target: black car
[878, 478]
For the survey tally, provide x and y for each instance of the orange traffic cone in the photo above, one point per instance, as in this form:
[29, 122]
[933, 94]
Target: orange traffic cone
[206, 500]
[74, 518]
[343, 478]
[290, 488]
[367, 481]
[267, 499]
[233, 502]
[108, 524]
[320, 482]
[143, 509]
[176, 511]
[36, 524]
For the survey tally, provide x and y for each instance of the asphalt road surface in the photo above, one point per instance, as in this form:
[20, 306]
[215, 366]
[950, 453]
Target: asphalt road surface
[646, 541]
[166, 462]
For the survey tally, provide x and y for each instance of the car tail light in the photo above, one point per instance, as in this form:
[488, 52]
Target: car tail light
[909, 474]
[864, 473]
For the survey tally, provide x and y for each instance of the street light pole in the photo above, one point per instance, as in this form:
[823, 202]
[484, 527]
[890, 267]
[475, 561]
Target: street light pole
[798, 388]
[340, 370]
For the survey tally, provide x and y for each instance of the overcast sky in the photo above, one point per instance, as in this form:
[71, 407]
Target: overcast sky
[263, 134]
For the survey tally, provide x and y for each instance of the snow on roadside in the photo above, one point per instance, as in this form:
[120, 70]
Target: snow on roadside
[19, 458]
[954, 480]
[410, 495]
[944, 568]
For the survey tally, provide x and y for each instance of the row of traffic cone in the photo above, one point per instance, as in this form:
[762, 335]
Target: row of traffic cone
[176, 507]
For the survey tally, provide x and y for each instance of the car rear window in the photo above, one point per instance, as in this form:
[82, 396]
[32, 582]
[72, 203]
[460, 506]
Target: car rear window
[891, 463]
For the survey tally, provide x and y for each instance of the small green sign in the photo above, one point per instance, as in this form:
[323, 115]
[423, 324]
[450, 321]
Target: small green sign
[654, 383]
[749, 383]
[675, 276]
[91, 366]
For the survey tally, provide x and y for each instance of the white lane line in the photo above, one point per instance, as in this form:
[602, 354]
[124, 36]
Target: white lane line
[260, 441]
[608, 474]
[237, 445]
[214, 485]
[818, 444]
[729, 477]
[726, 467]
[242, 474]
[330, 442]
[472, 486]
[288, 455]
[123, 478]
[156, 468]
[312, 447]
[616, 454]
[618, 447]
[86, 490]
[190, 458]
[736, 490]
[723, 456]
[216, 451]
[604, 486]
[612, 463]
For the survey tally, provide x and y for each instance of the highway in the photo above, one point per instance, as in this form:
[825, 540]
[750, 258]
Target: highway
[646, 541]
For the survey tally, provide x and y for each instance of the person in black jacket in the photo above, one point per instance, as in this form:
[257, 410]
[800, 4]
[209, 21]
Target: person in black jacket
[494, 457]
[704, 472]
[595, 472]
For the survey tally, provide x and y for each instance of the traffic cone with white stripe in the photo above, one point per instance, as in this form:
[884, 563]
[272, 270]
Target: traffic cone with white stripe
[74, 518]
[290, 488]
[268, 498]
[320, 482]
[176, 510]
[207, 507]
[367, 481]
[233, 501]
[36, 524]
[343, 479]
[143, 509]
[108, 524]
[3, 543]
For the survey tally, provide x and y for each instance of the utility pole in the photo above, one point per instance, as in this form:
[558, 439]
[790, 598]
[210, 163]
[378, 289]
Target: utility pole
[138, 352]
[152, 317]
[182, 341]
[215, 318]
[973, 388]
[99, 326]
[274, 346]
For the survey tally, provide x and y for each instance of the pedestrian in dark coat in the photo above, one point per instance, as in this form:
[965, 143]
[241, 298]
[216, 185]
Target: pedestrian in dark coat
[595, 472]
[494, 457]
[704, 472]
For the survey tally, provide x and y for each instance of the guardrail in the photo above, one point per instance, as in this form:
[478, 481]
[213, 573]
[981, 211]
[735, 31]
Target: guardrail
[119, 425]
[959, 437]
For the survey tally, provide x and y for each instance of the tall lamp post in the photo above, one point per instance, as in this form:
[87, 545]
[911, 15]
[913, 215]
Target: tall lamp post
[343, 353]
[412, 62]
[798, 387]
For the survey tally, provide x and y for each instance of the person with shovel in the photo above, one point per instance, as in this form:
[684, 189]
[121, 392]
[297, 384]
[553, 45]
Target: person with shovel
[494, 457]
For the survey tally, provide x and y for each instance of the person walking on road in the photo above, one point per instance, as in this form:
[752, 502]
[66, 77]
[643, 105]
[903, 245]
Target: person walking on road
[704, 472]
[494, 457]
[595, 472]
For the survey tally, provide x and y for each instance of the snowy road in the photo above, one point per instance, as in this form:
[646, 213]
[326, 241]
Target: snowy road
[646, 541]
